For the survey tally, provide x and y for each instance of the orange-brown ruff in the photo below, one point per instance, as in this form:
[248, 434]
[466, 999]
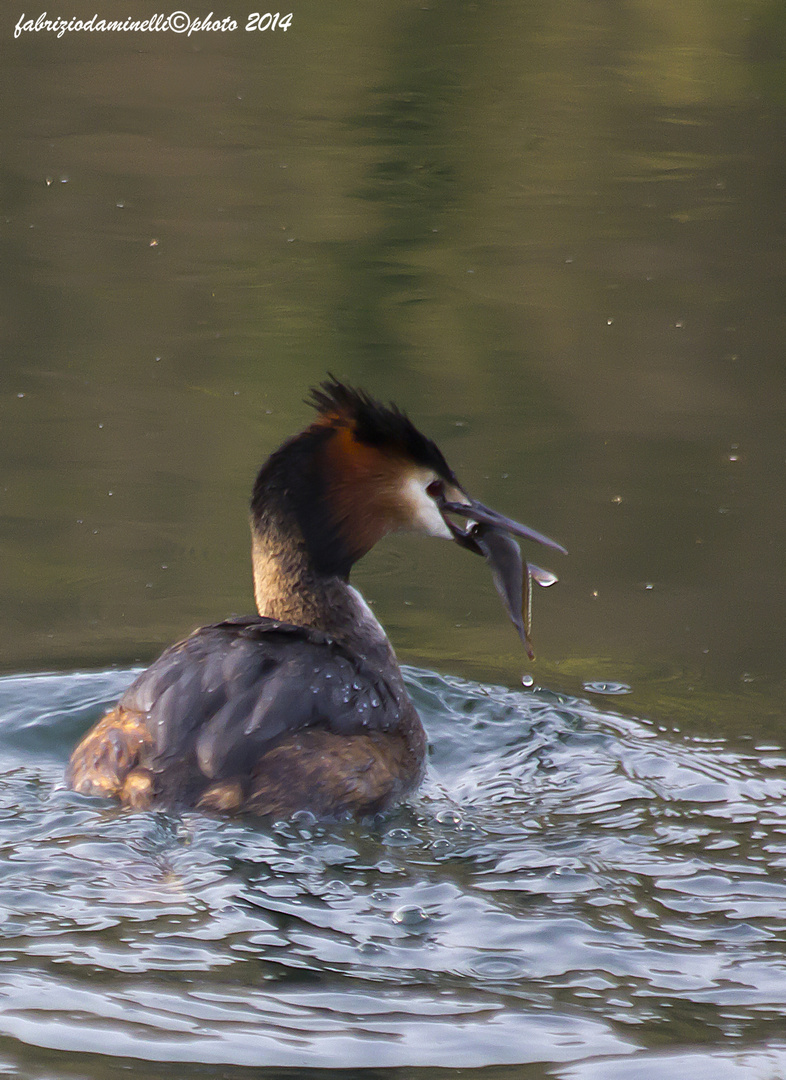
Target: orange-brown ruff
[304, 705]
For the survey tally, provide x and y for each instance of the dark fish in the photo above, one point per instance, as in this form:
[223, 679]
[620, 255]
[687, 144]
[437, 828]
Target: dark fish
[512, 576]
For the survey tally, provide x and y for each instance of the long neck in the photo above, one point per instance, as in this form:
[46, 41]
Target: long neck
[287, 587]
[301, 557]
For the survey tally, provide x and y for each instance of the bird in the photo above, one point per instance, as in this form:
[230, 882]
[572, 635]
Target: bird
[303, 706]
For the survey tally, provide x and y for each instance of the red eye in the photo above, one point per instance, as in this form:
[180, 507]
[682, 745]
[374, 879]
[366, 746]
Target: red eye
[436, 489]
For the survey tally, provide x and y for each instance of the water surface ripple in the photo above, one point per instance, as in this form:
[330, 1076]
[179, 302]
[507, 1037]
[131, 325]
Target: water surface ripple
[570, 888]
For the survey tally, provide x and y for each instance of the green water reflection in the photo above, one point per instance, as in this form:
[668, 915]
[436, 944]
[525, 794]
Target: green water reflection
[553, 232]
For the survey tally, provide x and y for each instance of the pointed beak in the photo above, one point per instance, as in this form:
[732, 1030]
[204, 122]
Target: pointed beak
[479, 514]
[491, 534]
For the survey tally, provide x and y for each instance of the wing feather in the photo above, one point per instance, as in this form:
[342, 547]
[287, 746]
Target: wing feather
[224, 696]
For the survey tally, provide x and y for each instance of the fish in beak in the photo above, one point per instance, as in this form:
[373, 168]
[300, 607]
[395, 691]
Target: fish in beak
[491, 534]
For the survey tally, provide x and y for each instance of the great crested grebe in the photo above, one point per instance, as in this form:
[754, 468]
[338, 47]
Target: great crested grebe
[303, 707]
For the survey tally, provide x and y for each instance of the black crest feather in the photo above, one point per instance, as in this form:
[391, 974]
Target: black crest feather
[375, 424]
[292, 484]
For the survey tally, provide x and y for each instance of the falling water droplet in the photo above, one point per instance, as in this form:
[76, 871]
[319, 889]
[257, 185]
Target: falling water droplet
[544, 578]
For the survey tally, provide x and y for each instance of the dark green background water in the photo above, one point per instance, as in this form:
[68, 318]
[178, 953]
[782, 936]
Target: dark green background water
[554, 232]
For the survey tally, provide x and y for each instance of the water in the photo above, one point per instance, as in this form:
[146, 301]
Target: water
[554, 233]
[569, 884]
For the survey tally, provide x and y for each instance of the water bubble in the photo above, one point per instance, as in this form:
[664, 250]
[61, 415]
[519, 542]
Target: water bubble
[410, 916]
[527, 680]
[303, 819]
[398, 837]
[369, 948]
